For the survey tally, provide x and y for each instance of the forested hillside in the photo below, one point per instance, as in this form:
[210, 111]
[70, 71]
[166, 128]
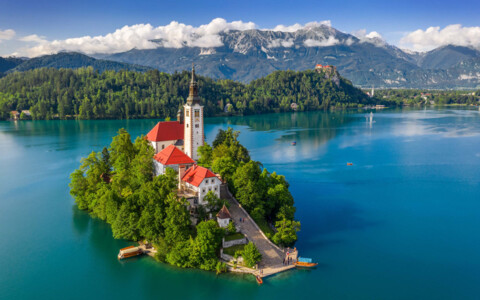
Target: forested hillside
[88, 94]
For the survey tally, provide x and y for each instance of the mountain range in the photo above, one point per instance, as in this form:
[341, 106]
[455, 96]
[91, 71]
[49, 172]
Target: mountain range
[250, 54]
[69, 60]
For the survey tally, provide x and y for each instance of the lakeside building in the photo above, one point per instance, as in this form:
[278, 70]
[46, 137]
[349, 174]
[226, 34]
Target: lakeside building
[223, 217]
[322, 67]
[15, 115]
[176, 146]
[196, 182]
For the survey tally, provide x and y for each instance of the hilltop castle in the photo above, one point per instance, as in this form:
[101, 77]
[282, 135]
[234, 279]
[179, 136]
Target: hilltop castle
[176, 146]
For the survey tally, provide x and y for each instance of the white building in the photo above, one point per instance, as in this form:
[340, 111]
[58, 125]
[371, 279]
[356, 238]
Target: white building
[170, 157]
[197, 181]
[223, 217]
[193, 125]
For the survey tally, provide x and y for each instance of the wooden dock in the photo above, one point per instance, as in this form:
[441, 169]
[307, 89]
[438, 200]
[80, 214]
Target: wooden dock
[148, 251]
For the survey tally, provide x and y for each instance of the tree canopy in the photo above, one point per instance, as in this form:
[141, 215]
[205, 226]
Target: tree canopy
[263, 194]
[88, 94]
[117, 185]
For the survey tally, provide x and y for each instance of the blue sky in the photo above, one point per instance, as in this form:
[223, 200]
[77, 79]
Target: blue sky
[59, 20]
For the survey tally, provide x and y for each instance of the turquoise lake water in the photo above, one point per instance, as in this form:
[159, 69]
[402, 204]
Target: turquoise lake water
[402, 223]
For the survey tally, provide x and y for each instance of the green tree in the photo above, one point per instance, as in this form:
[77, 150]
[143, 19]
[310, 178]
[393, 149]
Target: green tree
[205, 153]
[231, 228]
[206, 245]
[221, 267]
[251, 255]
[177, 221]
[249, 189]
[125, 225]
[213, 202]
[286, 232]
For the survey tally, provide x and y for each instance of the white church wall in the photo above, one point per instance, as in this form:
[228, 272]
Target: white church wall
[160, 169]
[159, 146]
[193, 129]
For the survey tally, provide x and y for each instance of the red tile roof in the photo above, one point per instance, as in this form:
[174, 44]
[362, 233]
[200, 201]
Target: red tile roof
[196, 174]
[166, 131]
[224, 213]
[172, 156]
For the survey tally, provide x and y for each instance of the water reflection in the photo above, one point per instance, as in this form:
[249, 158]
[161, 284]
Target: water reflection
[310, 130]
[81, 221]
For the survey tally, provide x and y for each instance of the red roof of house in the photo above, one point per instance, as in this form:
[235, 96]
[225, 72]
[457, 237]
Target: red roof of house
[166, 131]
[224, 213]
[196, 174]
[172, 156]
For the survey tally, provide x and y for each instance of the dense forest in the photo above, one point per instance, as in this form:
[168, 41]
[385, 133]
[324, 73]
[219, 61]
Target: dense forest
[117, 185]
[428, 97]
[88, 94]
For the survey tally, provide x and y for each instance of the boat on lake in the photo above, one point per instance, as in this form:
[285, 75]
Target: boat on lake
[294, 143]
[259, 279]
[129, 251]
[304, 262]
[349, 164]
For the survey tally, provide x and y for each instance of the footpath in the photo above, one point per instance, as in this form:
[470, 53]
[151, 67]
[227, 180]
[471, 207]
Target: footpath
[272, 255]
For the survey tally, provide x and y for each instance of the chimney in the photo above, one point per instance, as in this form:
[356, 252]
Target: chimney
[181, 172]
[179, 116]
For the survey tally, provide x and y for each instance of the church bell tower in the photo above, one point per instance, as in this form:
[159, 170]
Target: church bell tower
[193, 120]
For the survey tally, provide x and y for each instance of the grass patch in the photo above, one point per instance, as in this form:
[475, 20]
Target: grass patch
[262, 223]
[235, 236]
[231, 250]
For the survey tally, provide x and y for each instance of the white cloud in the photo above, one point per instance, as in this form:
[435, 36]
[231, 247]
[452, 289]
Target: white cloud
[173, 35]
[433, 37]
[297, 26]
[140, 36]
[7, 34]
[349, 41]
[330, 41]
[372, 37]
[280, 43]
[33, 38]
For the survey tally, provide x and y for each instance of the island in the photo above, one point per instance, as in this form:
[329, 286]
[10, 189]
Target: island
[188, 203]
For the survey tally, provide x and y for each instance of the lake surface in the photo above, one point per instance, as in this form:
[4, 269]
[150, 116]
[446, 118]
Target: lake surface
[402, 223]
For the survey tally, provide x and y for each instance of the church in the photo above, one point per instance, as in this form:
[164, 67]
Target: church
[176, 146]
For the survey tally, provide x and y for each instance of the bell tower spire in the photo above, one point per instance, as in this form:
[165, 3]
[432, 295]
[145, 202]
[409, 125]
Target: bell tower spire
[193, 93]
[193, 120]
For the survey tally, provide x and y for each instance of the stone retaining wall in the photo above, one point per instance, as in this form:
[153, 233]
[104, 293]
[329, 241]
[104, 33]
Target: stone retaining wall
[229, 258]
[234, 242]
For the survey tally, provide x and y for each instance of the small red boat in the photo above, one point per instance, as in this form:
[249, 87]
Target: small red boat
[349, 164]
[259, 279]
